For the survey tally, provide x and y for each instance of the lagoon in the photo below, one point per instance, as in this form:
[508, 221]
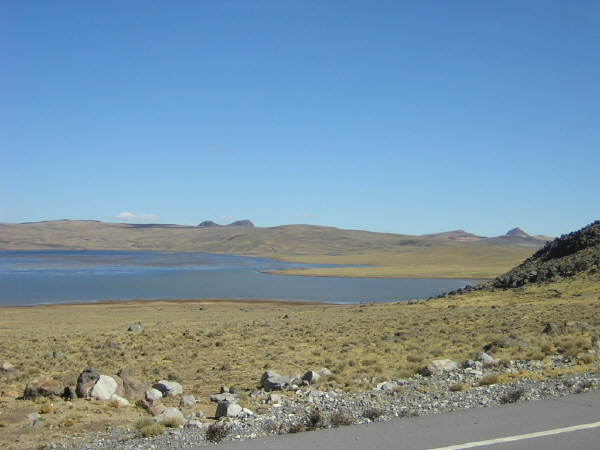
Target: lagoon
[65, 276]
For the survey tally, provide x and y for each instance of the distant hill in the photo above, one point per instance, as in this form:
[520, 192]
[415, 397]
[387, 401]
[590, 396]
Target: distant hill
[455, 254]
[239, 223]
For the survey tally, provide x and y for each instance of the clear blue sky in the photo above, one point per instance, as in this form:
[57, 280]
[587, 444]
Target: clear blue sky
[397, 116]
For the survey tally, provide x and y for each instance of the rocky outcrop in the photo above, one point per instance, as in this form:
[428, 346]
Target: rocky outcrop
[564, 257]
[44, 387]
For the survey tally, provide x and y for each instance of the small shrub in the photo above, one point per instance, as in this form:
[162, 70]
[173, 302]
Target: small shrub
[339, 419]
[589, 358]
[488, 380]
[372, 413]
[584, 386]
[216, 432]
[173, 422]
[297, 428]
[147, 427]
[68, 423]
[46, 408]
[315, 420]
[458, 387]
[512, 396]
[415, 358]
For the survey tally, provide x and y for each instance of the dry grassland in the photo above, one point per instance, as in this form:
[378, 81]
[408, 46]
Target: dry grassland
[206, 345]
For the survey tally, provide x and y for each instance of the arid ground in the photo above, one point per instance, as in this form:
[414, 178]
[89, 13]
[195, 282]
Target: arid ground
[206, 345]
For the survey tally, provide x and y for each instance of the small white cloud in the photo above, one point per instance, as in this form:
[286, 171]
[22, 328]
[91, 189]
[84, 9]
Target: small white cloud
[305, 215]
[229, 218]
[129, 217]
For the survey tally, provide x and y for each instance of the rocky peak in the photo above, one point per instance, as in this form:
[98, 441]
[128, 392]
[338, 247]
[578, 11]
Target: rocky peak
[517, 232]
[209, 223]
[241, 223]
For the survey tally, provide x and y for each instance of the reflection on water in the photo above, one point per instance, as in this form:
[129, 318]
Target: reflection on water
[72, 276]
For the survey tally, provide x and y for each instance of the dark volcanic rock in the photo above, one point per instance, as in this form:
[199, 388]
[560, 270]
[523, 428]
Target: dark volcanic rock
[563, 257]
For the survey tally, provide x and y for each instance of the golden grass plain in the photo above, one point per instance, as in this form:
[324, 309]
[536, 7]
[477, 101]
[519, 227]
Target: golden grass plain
[208, 344]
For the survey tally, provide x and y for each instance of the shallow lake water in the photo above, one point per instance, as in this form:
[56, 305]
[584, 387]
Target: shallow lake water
[39, 277]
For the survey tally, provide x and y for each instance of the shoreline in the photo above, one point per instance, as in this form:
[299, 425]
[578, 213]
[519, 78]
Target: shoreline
[174, 301]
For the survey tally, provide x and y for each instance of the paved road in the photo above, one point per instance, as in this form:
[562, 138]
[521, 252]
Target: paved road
[571, 422]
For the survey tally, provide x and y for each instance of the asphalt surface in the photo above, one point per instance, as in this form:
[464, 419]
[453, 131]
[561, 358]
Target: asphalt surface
[571, 422]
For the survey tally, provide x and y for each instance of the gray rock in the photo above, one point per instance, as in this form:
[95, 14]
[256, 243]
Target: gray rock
[168, 388]
[170, 415]
[487, 359]
[136, 327]
[44, 387]
[274, 399]
[86, 381]
[187, 400]
[324, 372]
[153, 394]
[193, 423]
[225, 397]
[472, 364]
[311, 377]
[104, 388]
[6, 366]
[272, 381]
[122, 402]
[440, 366]
[133, 389]
[389, 386]
[228, 409]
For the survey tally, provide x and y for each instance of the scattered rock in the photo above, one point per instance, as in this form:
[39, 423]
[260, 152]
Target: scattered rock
[388, 386]
[168, 388]
[187, 400]
[170, 415]
[86, 382]
[153, 396]
[324, 372]
[112, 343]
[44, 387]
[136, 328]
[272, 381]
[133, 389]
[440, 366]
[311, 377]
[506, 343]
[228, 409]
[122, 402]
[6, 366]
[487, 359]
[104, 388]
[225, 397]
